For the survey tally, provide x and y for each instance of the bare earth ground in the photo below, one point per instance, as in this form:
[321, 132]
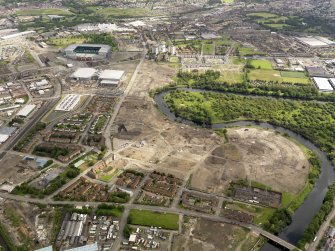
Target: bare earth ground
[153, 142]
[20, 219]
[204, 235]
[14, 170]
[254, 154]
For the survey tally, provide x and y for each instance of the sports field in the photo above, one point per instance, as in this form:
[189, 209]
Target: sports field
[261, 64]
[120, 13]
[39, 12]
[279, 76]
[292, 74]
[150, 218]
[262, 15]
[246, 51]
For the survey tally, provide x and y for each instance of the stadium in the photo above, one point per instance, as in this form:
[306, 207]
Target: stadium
[88, 52]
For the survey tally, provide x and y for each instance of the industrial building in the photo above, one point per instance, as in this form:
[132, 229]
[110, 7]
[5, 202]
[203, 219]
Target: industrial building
[105, 77]
[88, 52]
[316, 41]
[91, 247]
[84, 74]
[68, 103]
[16, 35]
[48, 248]
[25, 111]
[110, 77]
[324, 84]
[6, 132]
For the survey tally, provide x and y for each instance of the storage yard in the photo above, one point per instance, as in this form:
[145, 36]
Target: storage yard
[80, 229]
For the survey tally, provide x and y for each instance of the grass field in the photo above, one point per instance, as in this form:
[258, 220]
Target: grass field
[274, 75]
[246, 51]
[261, 64]
[292, 74]
[62, 42]
[272, 20]
[39, 12]
[233, 77]
[119, 13]
[106, 177]
[174, 60]
[277, 26]
[208, 49]
[149, 218]
[262, 15]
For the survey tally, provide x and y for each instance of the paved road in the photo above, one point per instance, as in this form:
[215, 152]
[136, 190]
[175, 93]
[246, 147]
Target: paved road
[107, 133]
[128, 207]
[313, 246]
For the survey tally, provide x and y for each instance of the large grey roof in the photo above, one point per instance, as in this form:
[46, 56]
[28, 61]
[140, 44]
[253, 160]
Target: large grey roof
[103, 47]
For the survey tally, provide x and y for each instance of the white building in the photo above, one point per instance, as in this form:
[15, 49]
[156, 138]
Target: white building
[316, 41]
[132, 238]
[25, 111]
[160, 48]
[84, 74]
[111, 77]
[324, 84]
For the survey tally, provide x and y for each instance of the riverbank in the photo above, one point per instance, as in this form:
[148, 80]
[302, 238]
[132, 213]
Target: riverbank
[5, 240]
[312, 204]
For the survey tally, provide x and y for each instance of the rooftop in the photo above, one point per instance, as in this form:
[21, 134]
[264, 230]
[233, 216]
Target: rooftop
[84, 73]
[316, 41]
[7, 130]
[48, 248]
[323, 84]
[92, 247]
[111, 74]
[25, 111]
[102, 48]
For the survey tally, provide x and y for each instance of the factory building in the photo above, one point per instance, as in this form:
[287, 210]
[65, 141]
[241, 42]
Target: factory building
[88, 52]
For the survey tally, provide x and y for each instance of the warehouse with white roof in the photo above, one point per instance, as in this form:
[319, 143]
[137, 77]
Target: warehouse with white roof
[25, 111]
[6, 132]
[111, 77]
[84, 74]
[324, 84]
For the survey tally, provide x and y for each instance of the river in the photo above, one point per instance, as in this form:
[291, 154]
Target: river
[305, 213]
[3, 244]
